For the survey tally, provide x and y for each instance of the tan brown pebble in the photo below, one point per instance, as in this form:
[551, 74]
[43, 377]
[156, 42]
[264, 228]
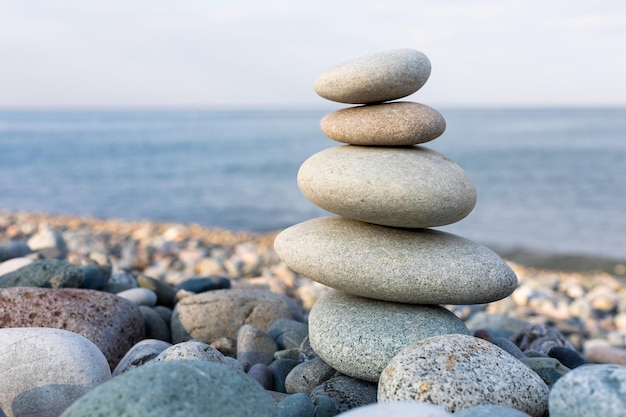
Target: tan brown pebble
[599, 351]
[389, 124]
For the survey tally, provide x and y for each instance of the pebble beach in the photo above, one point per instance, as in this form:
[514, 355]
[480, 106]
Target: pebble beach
[586, 307]
[370, 311]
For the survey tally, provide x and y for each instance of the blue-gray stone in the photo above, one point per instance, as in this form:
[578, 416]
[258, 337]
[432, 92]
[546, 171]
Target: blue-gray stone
[14, 250]
[325, 406]
[166, 294]
[490, 410]
[140, 354]
[288, 333]
[509, 347]
[568, 357]
[280, 368]
[47, 273]
[262, 374]
[346, 392]
[548, 369]
[95, 276]
[176, 388]
[296, 405]
[156, 327]
[590, 390]
[203, 284]
[307, 375]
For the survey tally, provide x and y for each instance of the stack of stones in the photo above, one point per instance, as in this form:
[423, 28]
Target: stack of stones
[388, 270]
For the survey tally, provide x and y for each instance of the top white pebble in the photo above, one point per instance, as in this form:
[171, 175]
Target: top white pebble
[376, 78]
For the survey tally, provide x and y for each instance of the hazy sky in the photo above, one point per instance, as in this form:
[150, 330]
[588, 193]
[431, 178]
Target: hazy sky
[77, 53]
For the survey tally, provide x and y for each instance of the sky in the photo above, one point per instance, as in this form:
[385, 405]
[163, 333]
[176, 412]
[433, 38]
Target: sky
[251, 53]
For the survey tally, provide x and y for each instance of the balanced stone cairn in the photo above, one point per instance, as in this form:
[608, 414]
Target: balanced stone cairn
[389, 271]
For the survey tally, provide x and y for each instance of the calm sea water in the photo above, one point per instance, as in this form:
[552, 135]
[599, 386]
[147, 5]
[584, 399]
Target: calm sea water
[551, 180]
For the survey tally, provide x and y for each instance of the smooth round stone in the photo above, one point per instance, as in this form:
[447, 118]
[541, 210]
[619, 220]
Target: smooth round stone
[211, 315]
[280, 368]
[191, 350]
[359, 336]
[155, 326]
[262, 374]
[383, 76]
[176, 388]
[590, 390]
[165, 293]
[139, 296]
[397, 409]
[345, 392]
[457, 372]
[288, 333]
[297, 405]
[409, 266]
[409, 187]
[399, 123]
[43, 371]
[141, 353]
[254, 345]
[305, 376]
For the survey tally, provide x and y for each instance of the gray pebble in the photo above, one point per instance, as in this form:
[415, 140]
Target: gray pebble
[120, 281]
[191, 350]
[296, 405]
[166, 294]
[280, 368]
[590, 390]
[307, 375]
[262, 374]
[548, 369]
[346, 392]
[509, 347]
[139, 296]
[176, 388]
[140, 354]
[156, 327]
[254, 345]
[51, 273]
[288, 333]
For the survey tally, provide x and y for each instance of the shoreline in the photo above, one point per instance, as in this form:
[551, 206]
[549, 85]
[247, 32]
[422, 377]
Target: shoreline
[525, 257]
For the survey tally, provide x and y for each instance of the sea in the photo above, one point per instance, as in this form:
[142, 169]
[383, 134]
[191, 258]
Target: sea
[549, 180]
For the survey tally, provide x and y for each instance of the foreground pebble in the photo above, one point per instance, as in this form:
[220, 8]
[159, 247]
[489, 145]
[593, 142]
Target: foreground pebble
[43, 371]
[590, 390]
[359, 336]
[176, 388]
[457, 372]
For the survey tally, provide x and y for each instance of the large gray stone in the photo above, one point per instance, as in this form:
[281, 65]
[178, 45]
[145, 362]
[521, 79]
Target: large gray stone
[402, 187]
[383, 76]
[212, 315]
[411, 266]
[590, 390]
[400, 123]
[359, 336]
[52, 273]
[42, 371]
[176, 388]
[458, 372]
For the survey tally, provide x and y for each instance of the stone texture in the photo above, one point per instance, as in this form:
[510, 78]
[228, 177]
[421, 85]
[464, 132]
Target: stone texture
[590, 390]
[192, 350]
[110, 322]
[398, 409]
[288, 333]
[400, 123]
[359, 336]
[410, 187]
[346, 392]
[42, 371]
[254, 345]
[409, 266]
[383, 76]
[176, 388]
[549, 370]
[211, 315]
[490, 410]
[305, 376]
[44, 273]
[457, 372]
[139, 296]
[141, 353]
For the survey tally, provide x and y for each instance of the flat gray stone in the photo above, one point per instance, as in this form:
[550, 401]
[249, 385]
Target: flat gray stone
[382, 76]
[409, 187]
[400, 123]
[359, 336]
[43, 371]
[255, 346]
[458, 372]
[177, 388]
[212, 315]
[52, 273]
[141, 353]
[307, 375]
[347, 393]
[419, 266]
[590, 390]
